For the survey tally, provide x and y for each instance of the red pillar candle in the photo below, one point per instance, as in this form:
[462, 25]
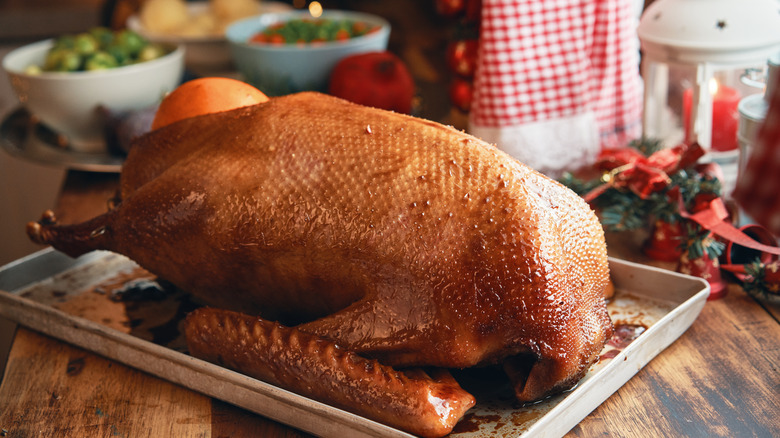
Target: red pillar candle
[725, 117]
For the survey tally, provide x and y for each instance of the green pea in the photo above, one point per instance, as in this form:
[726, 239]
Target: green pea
[309, 30]
[323, 33]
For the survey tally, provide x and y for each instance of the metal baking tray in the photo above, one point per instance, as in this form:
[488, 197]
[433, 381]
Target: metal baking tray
[70, 299]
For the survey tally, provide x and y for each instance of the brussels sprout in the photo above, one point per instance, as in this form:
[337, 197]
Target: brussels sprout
[65, 42]
[33, 69]
[149, 52]
[119, 53]
[53, 58]
[85, 44]
[63, 60]
[99, 48]
[103, 35]
[100, 61]
[131, 41]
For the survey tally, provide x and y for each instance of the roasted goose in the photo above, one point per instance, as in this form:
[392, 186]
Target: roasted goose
[378, 240]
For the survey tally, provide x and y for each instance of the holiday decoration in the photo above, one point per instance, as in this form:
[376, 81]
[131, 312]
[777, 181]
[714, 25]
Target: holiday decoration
[461, 53]
[669, 191]
[695, 56]
[645, 186]
[633, 189]
[450, 8]
[665, 241]
[760, 280]
[699, 258]
[713, 216]
[748, 264]
[462, 57]
[461, 94]
[737, 254]
[629, 169]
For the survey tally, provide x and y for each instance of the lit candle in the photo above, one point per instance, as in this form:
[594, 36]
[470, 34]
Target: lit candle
[725, 116]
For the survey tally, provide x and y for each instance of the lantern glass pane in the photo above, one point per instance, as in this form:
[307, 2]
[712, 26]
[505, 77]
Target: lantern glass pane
[671, 100]
[665, 85]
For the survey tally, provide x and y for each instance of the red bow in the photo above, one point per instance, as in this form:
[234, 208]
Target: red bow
[628, 168]
[713, 217]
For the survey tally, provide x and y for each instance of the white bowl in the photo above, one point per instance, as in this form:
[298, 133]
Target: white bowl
[70, 103]
[290, 68]
[208, 54]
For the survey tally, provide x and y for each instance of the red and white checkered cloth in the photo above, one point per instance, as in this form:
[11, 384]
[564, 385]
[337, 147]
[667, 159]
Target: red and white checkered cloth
[758, 186]
[557, 80]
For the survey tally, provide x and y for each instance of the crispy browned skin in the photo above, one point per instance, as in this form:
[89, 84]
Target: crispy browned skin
[398, 238]
[417, 403]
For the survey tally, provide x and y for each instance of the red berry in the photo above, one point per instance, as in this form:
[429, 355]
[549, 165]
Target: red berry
[461, 94]
[462, 57]
[473, 10]
[450, 8]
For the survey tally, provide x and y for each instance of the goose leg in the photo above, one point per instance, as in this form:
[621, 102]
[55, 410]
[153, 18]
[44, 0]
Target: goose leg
[318, 368]
[73, 240]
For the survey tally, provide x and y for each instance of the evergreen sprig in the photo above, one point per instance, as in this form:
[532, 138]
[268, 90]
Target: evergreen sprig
[623, 210]
[700, 242]
[647, 146]
[756, 281]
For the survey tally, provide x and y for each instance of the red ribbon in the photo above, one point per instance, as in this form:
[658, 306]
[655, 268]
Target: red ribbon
[713, 218]
[628, 168]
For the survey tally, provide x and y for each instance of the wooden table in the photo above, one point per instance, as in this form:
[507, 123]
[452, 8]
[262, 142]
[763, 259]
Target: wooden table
[721, 378]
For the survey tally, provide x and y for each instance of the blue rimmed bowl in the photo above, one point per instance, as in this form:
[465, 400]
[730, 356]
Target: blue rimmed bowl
[279, 69]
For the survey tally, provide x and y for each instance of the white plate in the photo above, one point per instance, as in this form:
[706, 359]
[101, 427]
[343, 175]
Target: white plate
[34, 289]
[23, 137]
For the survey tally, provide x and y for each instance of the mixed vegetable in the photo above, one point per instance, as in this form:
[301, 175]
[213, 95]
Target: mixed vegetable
[312, 30]
[97, 49]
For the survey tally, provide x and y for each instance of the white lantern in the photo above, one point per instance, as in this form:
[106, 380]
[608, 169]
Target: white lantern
[694, 53]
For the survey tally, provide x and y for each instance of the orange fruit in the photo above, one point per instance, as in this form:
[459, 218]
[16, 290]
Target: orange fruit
[204, 96]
